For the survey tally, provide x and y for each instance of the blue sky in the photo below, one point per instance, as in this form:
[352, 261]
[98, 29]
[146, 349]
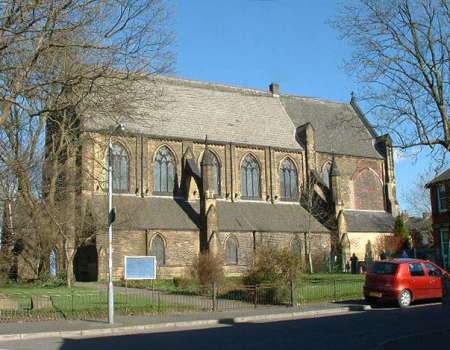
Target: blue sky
[254, 42]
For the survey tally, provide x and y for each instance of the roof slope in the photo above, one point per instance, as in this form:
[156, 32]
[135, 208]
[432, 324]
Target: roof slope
[338, 127]
[445, 176]
[369, 221]
[134, 213]
[192, 110]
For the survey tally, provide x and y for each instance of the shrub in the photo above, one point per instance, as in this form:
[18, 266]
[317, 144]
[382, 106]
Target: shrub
[272, 265]
[207, 268]
[181, 282]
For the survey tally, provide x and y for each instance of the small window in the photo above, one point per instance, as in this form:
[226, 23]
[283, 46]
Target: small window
[384, 268]
[326, 174]
[296, 247]
[416, 270]
[158, 250]
[231, 251]
[442, 198]
[433, 270]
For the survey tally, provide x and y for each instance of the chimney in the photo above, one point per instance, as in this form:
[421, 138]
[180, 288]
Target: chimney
[275, 89]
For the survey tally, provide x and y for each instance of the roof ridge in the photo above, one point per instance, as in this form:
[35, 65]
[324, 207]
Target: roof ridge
[214, 86]
[315, 99]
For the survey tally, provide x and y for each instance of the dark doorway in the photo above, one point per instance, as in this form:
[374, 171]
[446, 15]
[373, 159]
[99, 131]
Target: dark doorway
[85, 265]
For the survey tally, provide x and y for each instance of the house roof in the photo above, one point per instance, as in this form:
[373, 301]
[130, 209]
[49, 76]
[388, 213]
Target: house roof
[338, 126]
[135, 213]
[192, 110]
[369, 221]
[445, 176]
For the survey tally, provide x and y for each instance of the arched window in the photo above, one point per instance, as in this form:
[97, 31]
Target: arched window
[216, 174]
[53, 263]
[158, 250]
[120, 168]
[368, 190]
[326, 174]
[164, 171]
[288, 180]
[231, 251]
[296, 246]
[250, 178]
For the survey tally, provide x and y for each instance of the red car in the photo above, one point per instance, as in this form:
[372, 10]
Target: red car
[404, 281]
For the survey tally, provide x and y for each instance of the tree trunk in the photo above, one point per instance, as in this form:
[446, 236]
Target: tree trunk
[69, 272]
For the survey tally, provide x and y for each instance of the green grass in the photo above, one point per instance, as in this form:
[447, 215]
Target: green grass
[328, 290]
[82, 303]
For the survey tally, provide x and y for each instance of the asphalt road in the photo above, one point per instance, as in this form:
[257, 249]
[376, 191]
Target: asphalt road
[423, 327]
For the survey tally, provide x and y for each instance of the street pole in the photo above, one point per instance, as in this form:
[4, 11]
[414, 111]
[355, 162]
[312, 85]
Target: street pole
[110, 282]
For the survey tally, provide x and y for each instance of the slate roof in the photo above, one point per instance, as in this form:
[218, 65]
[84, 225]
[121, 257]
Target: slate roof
[369, 221]
[338, 127]
[135, 213]
[192, 110]
[445, 176]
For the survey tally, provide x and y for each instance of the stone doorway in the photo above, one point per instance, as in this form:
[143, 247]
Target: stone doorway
[85, 267]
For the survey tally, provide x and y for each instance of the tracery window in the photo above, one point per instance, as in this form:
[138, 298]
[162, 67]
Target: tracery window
[120, 168]
[164, 171]
[250, 178]
[288, 180]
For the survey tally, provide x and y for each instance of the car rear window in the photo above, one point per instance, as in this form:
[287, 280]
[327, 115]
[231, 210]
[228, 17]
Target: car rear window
[384, 268]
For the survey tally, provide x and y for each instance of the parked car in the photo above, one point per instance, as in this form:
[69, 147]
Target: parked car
[404, 281]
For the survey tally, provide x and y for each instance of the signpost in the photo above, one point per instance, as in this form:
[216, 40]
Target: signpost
[140, 268]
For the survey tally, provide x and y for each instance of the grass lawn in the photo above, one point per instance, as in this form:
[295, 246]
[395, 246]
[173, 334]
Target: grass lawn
[329, 290]
[80, 303]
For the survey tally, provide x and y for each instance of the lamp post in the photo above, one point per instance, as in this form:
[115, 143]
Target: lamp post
[111, 215]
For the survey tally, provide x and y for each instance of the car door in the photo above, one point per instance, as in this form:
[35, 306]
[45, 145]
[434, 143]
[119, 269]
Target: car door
[434, 280]
[419, 281]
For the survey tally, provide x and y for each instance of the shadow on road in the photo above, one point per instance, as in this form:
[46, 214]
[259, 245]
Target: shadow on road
[377, 329]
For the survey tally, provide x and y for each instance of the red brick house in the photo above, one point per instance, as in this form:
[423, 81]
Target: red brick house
[439, 190]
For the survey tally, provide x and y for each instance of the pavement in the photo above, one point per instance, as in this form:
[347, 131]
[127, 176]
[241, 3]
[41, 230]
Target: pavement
[141, 324]
[422, 326]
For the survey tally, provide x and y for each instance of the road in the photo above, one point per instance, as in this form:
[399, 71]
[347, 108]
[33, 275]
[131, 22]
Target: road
[421, 327]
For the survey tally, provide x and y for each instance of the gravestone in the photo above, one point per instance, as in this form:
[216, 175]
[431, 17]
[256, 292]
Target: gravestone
[8, 304]
[41, 302]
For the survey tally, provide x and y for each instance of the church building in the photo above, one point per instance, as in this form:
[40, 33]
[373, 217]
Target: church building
[228, 169]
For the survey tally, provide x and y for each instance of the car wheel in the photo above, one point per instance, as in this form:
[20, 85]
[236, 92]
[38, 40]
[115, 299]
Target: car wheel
[404, 299]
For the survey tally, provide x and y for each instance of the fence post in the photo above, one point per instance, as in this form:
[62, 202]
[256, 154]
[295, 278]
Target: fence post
[214, 296]
[292, 290]
[159, 302]
[255, 297]
[334, 290]
[71, 293]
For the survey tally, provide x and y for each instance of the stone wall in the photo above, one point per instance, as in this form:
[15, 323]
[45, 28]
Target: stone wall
[181, 248]
[362, 180]
[359, 241]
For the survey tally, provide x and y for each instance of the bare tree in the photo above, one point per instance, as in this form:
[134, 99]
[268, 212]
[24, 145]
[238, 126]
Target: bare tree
[61, 63]
[418, 196]
[401, 58]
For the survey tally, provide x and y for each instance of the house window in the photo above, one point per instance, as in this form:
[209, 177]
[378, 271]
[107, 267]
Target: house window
[120, 168]
[445, 247]
[164, 171]
[288, 180]
[326, 174]
[442, 198]
[231, 251]
[216, 175]
[250, 178]
[158, 250]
